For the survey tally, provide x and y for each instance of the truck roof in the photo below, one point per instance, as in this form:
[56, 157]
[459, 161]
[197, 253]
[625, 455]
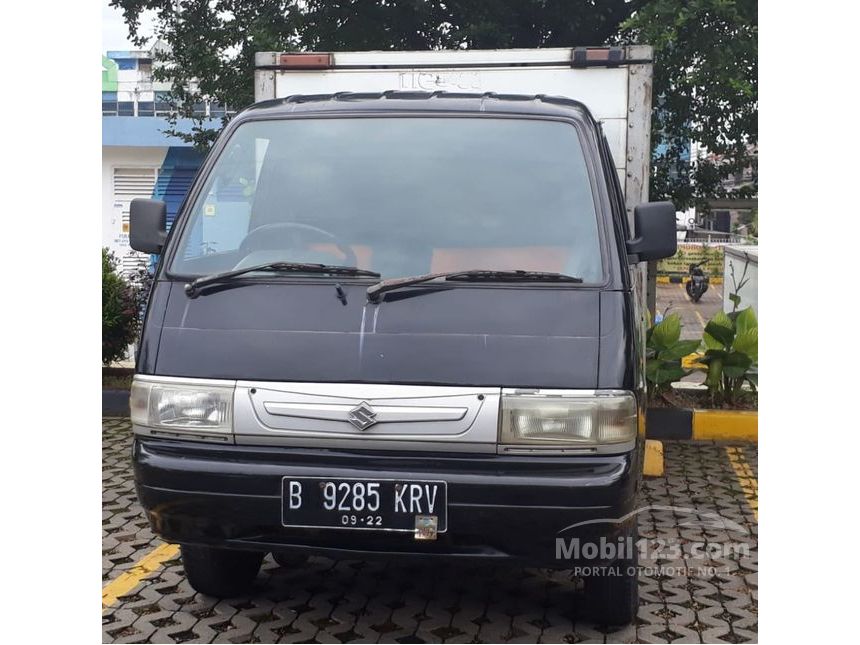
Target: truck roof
[407, 101]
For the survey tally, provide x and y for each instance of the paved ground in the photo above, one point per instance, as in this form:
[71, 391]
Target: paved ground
[694, 316]
[685, 597]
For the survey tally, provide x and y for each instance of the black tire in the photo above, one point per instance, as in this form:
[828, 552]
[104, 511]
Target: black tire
[289, 560]
[612, 599]
[223, 573]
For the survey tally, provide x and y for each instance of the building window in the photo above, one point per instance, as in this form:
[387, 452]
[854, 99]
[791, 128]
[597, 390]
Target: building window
[146, 108]
[199, 109]
[216, 110]
[109, 107]
[125, 108]
[162, 104]
[144, 65]
[126, 63]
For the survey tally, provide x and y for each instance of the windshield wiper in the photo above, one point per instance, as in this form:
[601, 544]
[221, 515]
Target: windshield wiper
[375, 291]
[192, 288]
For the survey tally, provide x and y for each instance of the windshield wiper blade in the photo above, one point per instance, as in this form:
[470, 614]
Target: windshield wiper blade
[376, 290]
[192, 288]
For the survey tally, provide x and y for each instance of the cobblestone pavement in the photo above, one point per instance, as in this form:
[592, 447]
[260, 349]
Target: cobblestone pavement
[683, 599]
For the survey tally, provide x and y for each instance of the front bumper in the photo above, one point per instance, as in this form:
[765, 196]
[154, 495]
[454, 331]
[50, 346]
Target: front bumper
[499, 506]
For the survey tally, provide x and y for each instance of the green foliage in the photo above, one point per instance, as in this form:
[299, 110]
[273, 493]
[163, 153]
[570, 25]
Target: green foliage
[215, 42]
[731, 343]
[705, 90]
[664, 350]
[705, 74]
[120, 321]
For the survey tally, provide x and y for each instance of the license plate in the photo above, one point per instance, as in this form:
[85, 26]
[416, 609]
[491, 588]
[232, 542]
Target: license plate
[370, 504]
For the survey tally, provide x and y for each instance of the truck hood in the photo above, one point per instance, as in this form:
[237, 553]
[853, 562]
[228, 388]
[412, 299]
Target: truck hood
[435, 335]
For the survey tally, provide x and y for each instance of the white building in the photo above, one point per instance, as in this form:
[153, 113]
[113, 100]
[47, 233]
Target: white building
[138, 158]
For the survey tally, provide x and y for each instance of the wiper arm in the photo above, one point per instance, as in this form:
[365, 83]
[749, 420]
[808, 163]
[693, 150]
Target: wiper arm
[375, 291]
[192, 288]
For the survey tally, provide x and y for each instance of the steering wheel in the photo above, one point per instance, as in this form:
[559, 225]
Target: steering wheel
[283, 235]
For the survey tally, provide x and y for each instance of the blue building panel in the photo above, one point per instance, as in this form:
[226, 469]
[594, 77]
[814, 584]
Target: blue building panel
[174, 180]
[142, 131]
[175, 177]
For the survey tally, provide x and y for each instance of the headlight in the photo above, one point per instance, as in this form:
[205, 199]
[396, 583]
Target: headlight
[549, 419]
[183, 407]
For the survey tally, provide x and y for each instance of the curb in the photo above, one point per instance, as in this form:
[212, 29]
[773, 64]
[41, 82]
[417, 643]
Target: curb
[679, 279]
[738, 425]
[653, 464]
[701, 425]
[115, 403]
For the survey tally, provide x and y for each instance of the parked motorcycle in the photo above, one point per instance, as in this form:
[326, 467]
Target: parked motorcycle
[697, 284]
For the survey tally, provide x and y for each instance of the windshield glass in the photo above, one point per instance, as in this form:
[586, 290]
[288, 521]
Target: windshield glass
[400, 196]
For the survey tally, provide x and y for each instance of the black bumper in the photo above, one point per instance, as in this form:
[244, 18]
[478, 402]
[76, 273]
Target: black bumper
[499, 506]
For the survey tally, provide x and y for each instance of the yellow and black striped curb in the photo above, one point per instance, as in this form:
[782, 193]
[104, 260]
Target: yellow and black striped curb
[702, 425]
[679, 279]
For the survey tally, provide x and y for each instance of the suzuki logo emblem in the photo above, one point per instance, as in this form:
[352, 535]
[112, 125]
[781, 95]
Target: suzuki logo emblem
[362, 416]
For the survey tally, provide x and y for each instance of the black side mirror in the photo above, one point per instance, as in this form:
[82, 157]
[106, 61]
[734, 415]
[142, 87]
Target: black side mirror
[656, 235]
[147, 225]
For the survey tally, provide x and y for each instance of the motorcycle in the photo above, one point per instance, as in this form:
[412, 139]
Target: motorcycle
[697, 285]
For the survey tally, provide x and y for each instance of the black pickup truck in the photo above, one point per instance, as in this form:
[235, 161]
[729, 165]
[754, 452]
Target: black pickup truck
[398, 325]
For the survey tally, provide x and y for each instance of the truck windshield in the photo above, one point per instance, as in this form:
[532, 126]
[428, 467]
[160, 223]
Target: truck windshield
[397, 195]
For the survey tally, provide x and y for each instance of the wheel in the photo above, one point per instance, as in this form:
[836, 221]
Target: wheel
[223, 573]
[613, 597]
[289, 560]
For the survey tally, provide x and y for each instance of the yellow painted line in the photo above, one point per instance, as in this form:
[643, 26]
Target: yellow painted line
[725, 424]
[128, 580]
[745, 475]
[653, 466]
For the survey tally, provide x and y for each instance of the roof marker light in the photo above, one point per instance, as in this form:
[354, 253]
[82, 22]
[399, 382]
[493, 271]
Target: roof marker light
[597, 56]
[309, 60]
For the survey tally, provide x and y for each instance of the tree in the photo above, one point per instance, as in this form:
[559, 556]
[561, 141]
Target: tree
[210, 50]
[705, 90]
[215, 42]
[491, 24]
[704, 77]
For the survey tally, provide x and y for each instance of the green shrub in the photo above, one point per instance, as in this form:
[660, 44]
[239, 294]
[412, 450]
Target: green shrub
[120, 321]
[664, 350]
[731, 342]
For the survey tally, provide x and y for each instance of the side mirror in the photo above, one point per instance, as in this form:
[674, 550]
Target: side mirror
[147, 225]
[656, 234]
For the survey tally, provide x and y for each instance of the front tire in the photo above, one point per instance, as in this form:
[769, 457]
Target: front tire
[223, 573]
[612, 599]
